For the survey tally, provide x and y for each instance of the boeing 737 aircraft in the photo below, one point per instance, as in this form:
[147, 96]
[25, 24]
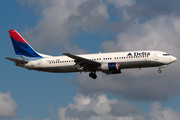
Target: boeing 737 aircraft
[109, 63]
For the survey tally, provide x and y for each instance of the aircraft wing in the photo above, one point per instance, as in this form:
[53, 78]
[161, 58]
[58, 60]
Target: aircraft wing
[84, 63]
[17, 60]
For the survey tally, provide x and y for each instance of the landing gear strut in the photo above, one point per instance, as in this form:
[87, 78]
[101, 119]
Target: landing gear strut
[160, 71]
[93, 75]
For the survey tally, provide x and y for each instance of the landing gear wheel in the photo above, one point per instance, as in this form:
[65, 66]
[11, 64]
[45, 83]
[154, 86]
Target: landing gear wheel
[159, 71]
[93, 75]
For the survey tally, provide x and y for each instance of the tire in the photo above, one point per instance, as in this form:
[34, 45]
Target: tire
[91, 75]
[94, 76]
[159, 71]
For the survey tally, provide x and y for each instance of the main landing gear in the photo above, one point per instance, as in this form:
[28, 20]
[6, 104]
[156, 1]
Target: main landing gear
[93, 75]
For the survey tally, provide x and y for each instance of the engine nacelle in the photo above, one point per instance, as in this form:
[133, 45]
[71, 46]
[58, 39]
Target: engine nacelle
[110, 68]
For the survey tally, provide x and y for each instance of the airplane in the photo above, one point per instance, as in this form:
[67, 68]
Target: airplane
[109, 63]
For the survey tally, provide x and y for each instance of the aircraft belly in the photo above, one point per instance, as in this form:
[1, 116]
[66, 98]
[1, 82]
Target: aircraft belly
[140, 64]
[123, 65]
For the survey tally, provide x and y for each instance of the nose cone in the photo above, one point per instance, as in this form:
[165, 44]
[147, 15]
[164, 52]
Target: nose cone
[173, 59]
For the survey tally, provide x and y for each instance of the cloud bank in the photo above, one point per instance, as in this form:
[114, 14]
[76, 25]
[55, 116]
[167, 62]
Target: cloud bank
[62, 18]
[138, 25]
[7, 106]
[98, 107]
[161, 31]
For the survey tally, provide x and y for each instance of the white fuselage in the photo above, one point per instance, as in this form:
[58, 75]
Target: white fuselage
[125, 60]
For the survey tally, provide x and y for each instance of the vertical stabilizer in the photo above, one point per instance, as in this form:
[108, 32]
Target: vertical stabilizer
[21, 47]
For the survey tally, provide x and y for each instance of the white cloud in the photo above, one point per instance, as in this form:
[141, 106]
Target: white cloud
[122, 3]
[29, 118]
[52, 111]
[62, 18]
[147, 85]
[7, 105]
[160, 33]
[123, 6]
[113, 109]
[96, 107]
[47, 119]
[157, 113]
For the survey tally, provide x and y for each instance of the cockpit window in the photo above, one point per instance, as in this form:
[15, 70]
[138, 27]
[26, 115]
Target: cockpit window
[166, 54]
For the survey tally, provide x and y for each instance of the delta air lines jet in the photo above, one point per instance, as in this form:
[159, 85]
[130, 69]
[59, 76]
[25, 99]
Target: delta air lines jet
[109, 63]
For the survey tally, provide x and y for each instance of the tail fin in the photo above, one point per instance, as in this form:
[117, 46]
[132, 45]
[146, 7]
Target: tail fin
[22, 48]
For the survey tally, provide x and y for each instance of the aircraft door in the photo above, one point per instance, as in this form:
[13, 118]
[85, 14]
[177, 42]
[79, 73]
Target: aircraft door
[156, 56]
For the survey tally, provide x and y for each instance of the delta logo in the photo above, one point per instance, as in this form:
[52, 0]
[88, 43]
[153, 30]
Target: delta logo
[129, 55]
[139, 54]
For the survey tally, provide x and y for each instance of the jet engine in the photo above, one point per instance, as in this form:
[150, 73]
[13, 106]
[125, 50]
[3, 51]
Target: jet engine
[110, 68]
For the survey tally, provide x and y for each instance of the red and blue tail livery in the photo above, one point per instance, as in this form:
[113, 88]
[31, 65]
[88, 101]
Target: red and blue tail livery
[21, 47]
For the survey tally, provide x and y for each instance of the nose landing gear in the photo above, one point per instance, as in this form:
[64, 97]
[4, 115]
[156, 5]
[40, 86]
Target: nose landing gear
[159, 71]
[93, 75]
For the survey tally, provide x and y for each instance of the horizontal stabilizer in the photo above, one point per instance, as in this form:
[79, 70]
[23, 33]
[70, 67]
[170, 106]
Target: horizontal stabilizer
[17, 60]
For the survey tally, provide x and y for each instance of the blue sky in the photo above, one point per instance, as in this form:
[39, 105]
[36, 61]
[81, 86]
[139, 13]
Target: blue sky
[90, 26]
